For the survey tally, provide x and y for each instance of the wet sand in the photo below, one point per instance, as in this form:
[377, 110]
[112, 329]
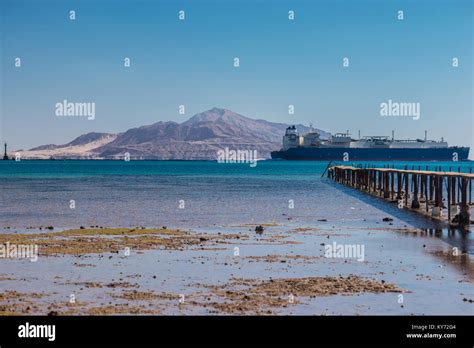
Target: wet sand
[233, 270]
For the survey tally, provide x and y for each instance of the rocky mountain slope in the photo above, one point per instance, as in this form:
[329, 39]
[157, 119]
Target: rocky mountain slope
[200, 137]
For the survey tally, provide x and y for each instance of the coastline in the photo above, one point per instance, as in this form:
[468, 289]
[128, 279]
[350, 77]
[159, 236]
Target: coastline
[282, 271]
[190, 252]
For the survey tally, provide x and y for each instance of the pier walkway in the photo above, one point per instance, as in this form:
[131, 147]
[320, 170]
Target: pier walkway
[441, 195]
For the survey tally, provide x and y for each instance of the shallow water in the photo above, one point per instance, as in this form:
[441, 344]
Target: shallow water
[228, 198]
[189, 194]
[432, 284]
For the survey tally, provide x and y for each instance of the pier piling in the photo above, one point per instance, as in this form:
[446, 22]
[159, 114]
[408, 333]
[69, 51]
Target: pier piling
[412, 187]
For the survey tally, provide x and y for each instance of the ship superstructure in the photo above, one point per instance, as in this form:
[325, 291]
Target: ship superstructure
[339, 146]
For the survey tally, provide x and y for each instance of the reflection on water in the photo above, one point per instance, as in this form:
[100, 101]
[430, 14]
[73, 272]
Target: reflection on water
[462, 240]
[460, 252]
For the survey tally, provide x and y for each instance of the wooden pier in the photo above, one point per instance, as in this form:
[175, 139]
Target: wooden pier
[441, 195]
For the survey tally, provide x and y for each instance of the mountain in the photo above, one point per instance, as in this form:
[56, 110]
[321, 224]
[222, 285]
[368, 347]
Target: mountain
[80, 140]
[80, 148]
[200, 137]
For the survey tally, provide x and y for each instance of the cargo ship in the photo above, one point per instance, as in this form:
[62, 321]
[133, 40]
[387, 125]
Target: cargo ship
[343, 147]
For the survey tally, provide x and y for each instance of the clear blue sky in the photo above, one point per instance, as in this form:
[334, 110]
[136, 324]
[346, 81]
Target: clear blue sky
[282, 62]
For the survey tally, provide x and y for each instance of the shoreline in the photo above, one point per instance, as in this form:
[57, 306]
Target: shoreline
[182, 272]
[12, 158]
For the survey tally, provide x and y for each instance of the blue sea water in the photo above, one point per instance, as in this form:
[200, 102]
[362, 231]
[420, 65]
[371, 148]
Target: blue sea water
[191, 194]
[94, 168]
[234, 198]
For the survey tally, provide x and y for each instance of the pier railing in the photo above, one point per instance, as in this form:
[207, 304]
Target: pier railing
[431, 193]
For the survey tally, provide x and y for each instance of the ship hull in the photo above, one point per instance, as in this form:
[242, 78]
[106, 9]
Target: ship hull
[372, 154]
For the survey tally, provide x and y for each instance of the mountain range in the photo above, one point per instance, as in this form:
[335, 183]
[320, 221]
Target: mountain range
[198, 138]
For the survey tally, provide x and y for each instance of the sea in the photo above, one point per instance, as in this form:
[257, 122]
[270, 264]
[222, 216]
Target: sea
[190, 194]
[291, 199]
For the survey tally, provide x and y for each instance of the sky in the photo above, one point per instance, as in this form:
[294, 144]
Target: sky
[282, 62]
